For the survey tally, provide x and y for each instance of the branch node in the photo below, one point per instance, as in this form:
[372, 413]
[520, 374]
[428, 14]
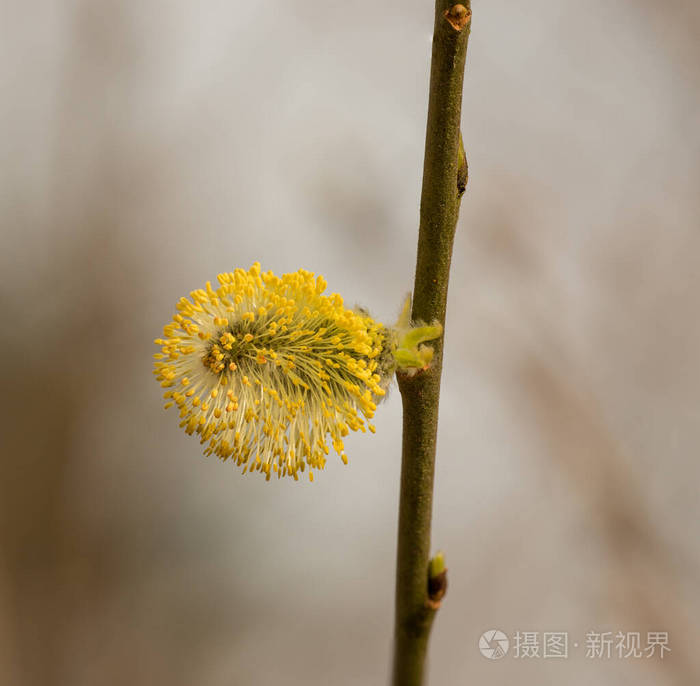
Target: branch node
[462, 168]
[437, 581]
[458, 16]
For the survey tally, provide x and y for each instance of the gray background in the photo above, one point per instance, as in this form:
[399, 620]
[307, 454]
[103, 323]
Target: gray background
[147, 146]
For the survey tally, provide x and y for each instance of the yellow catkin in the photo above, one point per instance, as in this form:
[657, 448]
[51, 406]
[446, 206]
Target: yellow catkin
[296, 367]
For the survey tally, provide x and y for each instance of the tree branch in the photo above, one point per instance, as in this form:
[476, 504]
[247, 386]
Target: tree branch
[444, 177]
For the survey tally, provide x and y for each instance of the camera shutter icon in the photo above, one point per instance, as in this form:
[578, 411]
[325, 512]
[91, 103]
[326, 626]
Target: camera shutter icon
[494, 644]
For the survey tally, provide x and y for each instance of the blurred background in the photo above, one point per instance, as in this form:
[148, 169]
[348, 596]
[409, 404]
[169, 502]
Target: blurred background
[147, 146]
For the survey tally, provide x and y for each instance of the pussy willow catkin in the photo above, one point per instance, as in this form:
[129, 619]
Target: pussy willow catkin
[267, 369]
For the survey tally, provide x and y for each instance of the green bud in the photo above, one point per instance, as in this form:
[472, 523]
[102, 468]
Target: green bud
[437, 565]
[420, 334]
[410, 354]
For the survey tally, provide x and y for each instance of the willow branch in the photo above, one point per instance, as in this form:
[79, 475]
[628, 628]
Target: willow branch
[444, 178]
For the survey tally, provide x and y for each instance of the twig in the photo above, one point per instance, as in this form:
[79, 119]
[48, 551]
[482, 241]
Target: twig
[444, 178]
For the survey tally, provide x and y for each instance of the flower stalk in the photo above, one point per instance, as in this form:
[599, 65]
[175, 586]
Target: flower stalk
[444, 180]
